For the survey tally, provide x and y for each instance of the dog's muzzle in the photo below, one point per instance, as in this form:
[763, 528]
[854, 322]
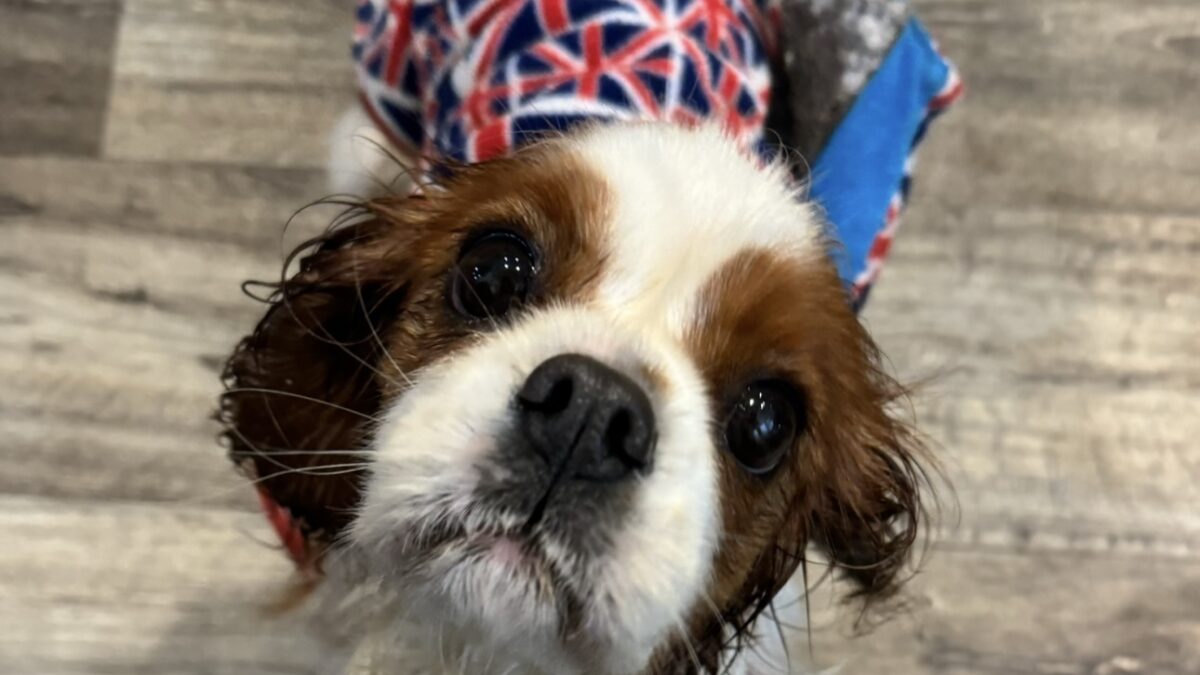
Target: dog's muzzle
[582, 433]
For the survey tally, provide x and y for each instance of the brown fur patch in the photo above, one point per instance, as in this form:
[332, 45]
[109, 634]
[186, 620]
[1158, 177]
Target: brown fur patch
[367, 309]
[851, 483]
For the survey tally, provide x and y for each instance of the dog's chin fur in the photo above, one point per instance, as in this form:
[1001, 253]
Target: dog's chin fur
[675, 259]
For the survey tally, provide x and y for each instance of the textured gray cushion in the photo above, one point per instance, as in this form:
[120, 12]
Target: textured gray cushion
[830, 48]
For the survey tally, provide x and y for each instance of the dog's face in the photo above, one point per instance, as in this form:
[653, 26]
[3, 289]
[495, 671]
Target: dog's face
[609, 389]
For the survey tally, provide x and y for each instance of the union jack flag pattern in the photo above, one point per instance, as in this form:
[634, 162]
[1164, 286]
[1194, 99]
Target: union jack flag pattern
[468, 80]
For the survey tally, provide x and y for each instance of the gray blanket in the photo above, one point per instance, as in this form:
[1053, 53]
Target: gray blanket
[830, 49]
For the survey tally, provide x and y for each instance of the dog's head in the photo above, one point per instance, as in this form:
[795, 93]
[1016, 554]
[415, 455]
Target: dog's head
[608, 390]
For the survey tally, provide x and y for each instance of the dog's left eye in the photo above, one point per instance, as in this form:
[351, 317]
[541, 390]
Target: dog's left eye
[765, 420]
[494, 275]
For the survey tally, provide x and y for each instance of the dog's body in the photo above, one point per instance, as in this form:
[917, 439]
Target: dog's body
[582, 406]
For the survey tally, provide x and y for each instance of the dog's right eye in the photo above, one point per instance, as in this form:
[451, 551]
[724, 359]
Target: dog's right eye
[494, 275]
[766, 419]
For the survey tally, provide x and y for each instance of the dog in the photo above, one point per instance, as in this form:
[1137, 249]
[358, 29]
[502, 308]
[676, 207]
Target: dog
[583, 401]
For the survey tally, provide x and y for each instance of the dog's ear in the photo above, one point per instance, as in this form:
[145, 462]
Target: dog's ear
[869, 513]
[304, 387]
[869, 537]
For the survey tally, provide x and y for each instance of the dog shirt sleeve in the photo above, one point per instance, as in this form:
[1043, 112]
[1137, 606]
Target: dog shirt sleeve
[862, 176]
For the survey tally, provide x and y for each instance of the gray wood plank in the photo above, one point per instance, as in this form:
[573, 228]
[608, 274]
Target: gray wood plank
[55, 67]
[1061, 388]
[107, 398]
[111, 367]
[239, 81]
[1044, 282]
[242, 205]
[1083, 104]
[130, 588]
[181, 591]
[110, 377]
[986, 612]
[119, 301]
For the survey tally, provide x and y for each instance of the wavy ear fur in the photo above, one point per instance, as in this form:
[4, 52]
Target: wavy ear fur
[868, 522]
[306, 379]
[871, 542]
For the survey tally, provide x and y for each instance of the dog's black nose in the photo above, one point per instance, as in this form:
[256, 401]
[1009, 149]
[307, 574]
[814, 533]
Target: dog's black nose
[586, 419]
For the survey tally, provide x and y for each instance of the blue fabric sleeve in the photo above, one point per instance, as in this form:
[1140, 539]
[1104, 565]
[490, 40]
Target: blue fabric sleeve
[864, 165]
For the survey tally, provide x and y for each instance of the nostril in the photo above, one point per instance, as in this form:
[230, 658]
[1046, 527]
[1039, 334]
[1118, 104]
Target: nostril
[559, 398]
[554, 401]
[616, 436]
[627, 438]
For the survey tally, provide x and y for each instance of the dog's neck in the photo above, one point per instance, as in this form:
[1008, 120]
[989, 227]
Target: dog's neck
[468, 80]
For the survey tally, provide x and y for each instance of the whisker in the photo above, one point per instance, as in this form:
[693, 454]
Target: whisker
[687, 643]
[310, 399]
[255, 450]
[371, 323]
[418, 178]
[326, 471]
[330, 340]
[349, 204]
[271, 456]
[285, 290]
[271, 452]
[808, 605]
[715, 610]
[442, 646]
[787, 653]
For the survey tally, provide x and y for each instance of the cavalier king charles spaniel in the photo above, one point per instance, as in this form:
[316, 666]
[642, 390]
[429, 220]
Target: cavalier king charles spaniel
[582, 407]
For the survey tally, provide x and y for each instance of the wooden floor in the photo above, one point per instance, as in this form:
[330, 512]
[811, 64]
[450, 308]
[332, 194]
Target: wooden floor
[1048, 280]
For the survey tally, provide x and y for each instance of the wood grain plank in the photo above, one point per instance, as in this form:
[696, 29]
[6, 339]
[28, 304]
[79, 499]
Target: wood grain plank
[988, 613]
[130, 588]
[84, 419]
[55, 67]
[242, 205]
[112, 370]
[1044, 280]
[240, 81]
[180, 591]
[1062, 351]
[119, 301]
[1078, 104]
